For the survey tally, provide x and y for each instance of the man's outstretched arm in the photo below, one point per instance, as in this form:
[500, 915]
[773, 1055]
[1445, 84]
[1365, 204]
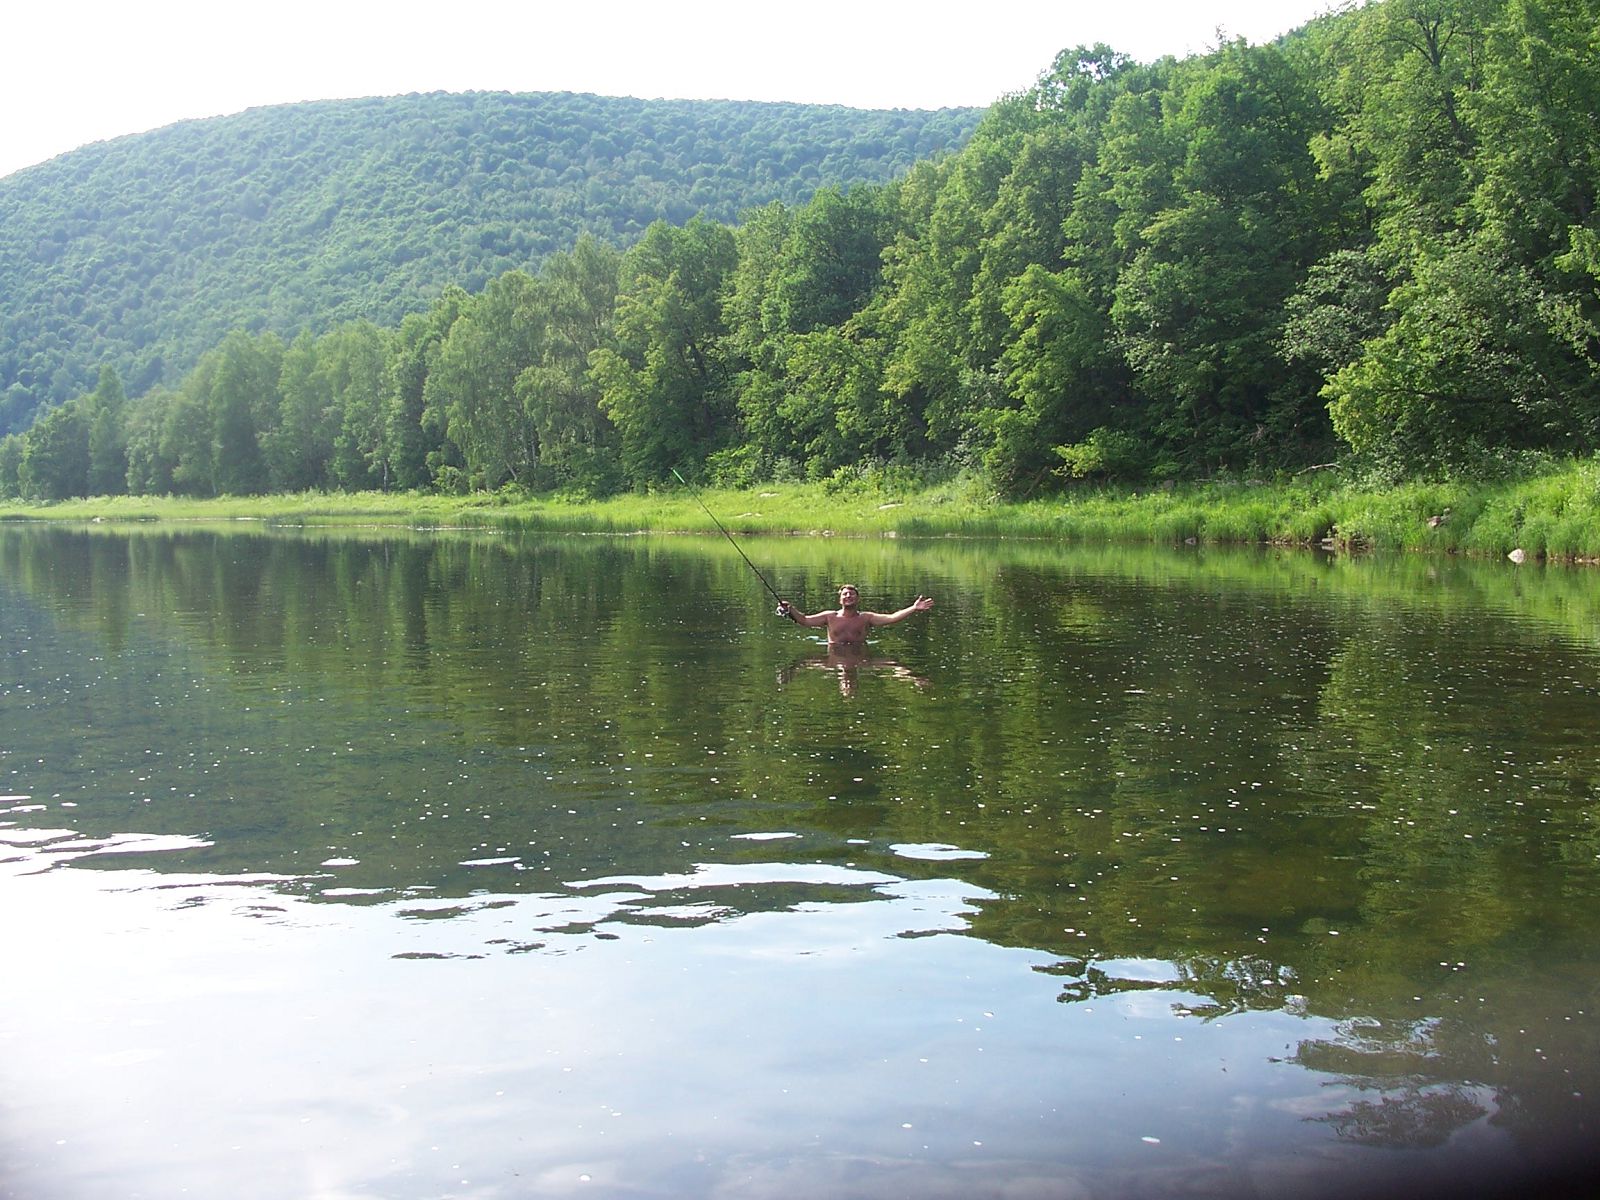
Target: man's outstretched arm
[920, 604]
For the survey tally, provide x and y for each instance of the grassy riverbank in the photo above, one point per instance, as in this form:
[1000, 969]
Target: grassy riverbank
[1553, 513]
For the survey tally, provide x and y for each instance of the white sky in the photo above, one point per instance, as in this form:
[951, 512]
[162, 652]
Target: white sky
[82, 71]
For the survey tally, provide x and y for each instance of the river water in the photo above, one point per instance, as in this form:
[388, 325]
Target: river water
[376, 864]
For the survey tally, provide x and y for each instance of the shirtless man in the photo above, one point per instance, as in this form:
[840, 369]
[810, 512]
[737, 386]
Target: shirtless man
[849, 625]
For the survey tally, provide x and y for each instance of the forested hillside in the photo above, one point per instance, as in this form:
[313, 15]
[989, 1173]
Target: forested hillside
[144, 251]
[1376, 241]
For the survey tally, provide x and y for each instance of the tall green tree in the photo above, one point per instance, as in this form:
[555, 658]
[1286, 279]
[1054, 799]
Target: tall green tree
[105, 411]
[1538, 157]
[835, 410]
[497, 335]
[832, 259]
[934, 367]
[187, 448]
[1539, 169]
[1037, 314]
[578, 445]
[1199, 308]
[244, 403]
[55, 455]
[1484, 158]
[149, 470]
[10, 466]
[665, 384]
[1058, 371]
[1410, 70]
[355, 359]
[414, 433]
[756, 341]
[812, 386]
[299, 447]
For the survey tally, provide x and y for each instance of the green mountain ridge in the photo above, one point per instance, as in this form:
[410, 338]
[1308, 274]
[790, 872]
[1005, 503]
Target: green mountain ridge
[145, 250]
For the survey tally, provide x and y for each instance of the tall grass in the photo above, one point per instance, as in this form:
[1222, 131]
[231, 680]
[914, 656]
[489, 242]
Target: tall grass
[1553, 511]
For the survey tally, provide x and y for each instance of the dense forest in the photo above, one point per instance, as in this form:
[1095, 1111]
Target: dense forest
[1374, 240]
[146, 251]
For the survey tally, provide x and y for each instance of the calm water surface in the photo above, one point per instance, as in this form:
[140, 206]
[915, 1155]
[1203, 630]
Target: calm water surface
[385, 865]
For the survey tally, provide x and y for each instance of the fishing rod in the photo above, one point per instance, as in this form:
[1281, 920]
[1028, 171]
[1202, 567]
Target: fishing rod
[693, 491]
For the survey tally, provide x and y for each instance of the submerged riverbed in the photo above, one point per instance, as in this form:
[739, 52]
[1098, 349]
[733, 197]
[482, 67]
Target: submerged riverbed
[343, 864]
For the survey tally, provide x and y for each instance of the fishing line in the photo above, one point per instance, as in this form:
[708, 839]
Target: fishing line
[693, 491]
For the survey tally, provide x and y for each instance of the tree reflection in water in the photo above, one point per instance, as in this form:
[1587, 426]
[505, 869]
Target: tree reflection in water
[1350, 802]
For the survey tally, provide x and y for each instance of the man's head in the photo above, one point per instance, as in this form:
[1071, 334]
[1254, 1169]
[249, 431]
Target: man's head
[848, 596]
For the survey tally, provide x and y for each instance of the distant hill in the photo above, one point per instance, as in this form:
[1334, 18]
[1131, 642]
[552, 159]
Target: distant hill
[145, 250]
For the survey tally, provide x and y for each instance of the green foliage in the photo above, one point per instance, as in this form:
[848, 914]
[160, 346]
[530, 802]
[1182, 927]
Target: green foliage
[1539, 158]
[1376, 238]
[145, 251]
[1060, 379]
[243, 401]
[10, 466]
[664, 385]
[1199, 308]
[578, 445]
[737, 467]
[108, 455]
[473, 381]
[830, 259]
[299, 447]
[799, 312]
[414, 433]
[358, 362]
[1336, 310]
[1540, 504]
[1407, 69]
[1477, 120]
[1473, 361]
[149, 470]
[1104, 454]
[55, 456]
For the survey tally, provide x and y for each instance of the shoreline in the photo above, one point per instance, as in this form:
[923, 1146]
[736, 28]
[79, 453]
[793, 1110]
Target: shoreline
[1550, 516]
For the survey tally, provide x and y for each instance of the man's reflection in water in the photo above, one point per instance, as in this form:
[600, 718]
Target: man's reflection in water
[847, 660]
